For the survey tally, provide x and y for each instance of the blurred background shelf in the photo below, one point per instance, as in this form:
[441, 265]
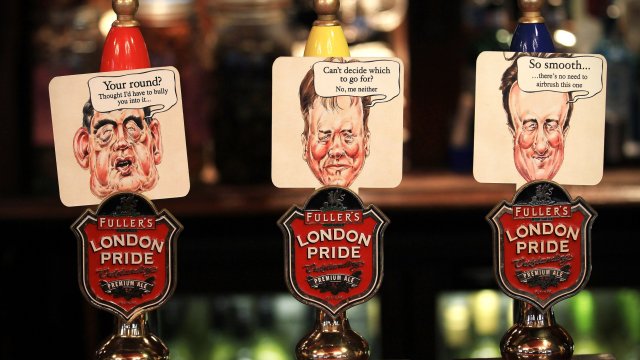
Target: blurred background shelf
[428, 191]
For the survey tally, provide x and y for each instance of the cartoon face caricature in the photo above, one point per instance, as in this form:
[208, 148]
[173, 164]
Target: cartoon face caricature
[539, 124]
[336, 136]
[120, 148]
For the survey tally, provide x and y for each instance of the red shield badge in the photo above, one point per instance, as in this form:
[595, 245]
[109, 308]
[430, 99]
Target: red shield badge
[542, 244]
[333, 250]
[126, 255]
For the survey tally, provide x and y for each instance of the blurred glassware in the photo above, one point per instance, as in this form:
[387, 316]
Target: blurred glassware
[251, 34]
[586, 330]
[599, 320]
[454, 324]
[176, 37]
[371, 20]
[628, 302]
[248, 326]
[487, 312]
[487, 26]
[630, 28]
[267, 343]
[586, 25]
[621, 90]
[66, 41]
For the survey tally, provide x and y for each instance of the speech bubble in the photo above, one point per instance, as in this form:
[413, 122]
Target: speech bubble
[379, 79]
[581, 75]
[155, 89]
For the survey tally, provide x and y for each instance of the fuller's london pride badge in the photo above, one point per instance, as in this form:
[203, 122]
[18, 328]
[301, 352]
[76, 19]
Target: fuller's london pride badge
[127, 254]
[542, 244]
[333, 256]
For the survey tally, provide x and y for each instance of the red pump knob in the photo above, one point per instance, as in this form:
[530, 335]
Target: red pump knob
[124, 48]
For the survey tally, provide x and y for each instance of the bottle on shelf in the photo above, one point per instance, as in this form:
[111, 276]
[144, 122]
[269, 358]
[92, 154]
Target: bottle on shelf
[584, 318]
[485, 306]
[267, 343]
[628, 302]
[251, 35]
[454, 312]
[176, 39]
[222, 342]
[621, 95]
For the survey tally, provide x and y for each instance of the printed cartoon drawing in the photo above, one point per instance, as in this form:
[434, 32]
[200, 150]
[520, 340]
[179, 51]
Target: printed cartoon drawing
[538, 121]
[336, 135]
[120, 148]
[119, 131]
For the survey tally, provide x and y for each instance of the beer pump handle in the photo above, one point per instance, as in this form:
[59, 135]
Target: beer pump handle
[531, 34]
[124, 47]
[326, 37]
[534, 331]
[332, 336]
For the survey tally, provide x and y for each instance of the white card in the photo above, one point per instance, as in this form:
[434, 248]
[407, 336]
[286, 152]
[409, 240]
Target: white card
[336, 97]
[119, 131]
[539, 117]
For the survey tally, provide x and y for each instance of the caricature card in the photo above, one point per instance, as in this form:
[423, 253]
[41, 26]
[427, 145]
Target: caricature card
[337, 121]
[539, 116]
[119, 131]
